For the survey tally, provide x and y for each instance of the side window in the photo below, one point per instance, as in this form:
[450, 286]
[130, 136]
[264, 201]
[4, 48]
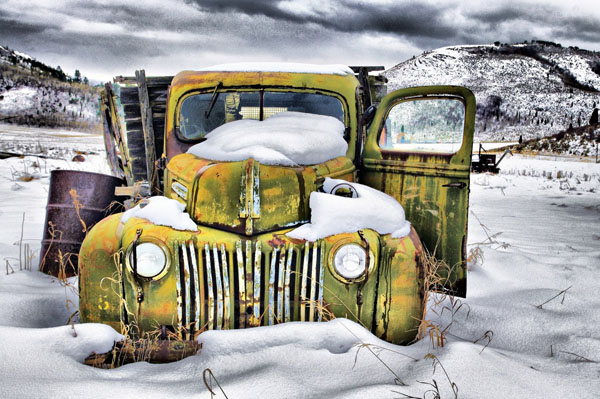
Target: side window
[433, 125]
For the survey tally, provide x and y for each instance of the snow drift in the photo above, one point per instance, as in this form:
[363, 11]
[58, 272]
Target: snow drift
[162, 211]
[331, 214]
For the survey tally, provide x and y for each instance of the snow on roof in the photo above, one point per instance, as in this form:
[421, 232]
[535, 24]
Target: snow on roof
[333, 214]
[162, 211]
[332, 69]
[286, 138]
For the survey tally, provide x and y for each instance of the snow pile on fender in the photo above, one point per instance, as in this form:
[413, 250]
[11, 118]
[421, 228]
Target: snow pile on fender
[333, 214]
[287, 138]
[162, 211]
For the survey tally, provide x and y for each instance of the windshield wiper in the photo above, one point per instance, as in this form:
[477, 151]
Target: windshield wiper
[213, 100]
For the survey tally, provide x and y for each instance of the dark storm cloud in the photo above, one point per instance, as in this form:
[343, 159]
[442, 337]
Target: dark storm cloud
[423, 24]
[497, 15]
[399, 18]
[583, 28]
[10, 27]
[166, 34]
[528, 18]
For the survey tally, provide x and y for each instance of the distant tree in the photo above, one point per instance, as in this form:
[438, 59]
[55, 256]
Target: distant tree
[59, 74]
[594, 118]
[86, 81]
[520, 139]
[77, 77]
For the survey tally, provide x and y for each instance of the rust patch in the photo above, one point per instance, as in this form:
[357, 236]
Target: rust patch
[277, 242]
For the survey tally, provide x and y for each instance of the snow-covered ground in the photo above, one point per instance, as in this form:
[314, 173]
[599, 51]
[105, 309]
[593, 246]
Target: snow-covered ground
[537, 225]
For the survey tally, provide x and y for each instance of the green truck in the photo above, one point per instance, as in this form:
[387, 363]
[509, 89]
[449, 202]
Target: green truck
[238, 267]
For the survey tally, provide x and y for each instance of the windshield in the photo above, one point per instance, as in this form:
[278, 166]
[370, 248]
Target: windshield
[197, 117]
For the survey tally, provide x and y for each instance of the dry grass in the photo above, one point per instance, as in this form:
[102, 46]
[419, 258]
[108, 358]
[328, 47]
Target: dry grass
[434, 391]
[138, 345]
[563, 293]
[438, 302]
[208, 383]
[475, 258]
[66, 263]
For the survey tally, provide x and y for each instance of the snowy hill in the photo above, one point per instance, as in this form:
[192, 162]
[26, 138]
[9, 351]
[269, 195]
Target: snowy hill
[532, 89]
[33, 93]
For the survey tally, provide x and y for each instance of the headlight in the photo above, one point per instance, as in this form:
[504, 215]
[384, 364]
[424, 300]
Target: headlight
[151, 260]
[350, 261]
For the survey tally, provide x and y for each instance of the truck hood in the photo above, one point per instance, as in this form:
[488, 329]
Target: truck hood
[248, 197]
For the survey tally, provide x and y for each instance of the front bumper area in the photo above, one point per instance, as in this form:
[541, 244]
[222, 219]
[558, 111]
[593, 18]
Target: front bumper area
[221, 280]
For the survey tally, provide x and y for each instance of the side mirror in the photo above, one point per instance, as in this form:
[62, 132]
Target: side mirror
[368, 115]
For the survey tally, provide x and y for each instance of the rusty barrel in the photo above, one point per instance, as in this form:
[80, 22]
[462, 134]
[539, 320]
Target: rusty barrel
[76, 201]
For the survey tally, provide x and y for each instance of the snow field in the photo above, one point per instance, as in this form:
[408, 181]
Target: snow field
[537, 239]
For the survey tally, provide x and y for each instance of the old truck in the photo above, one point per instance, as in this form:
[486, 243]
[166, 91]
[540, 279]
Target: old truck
[239, 268]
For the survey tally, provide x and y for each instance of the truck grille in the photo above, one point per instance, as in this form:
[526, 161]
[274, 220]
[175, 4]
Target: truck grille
[247, 284]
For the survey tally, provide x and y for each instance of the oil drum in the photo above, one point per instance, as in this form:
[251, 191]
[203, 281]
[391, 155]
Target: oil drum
[76, 201]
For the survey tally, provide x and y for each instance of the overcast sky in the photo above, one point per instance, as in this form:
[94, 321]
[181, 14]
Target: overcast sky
[113, 37]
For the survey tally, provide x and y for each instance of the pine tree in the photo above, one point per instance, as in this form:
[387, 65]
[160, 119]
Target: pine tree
[594, 118]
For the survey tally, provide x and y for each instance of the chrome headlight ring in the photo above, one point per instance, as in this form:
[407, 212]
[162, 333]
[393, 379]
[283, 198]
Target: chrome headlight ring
[153, 260]
[348, 261]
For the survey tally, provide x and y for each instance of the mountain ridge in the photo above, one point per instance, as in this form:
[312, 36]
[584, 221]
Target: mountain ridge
[524, 90]
[35, 94]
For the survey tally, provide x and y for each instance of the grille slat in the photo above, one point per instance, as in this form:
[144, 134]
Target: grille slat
[303, 298]
[219, 288]
[291, 276]
[196, 292]
[187, 288]
[226, 287]
[286, 285]
[179, 288]
[281, 270]
[313, 283]
[249, 284]
[256, 298]
[272, 272]
[241, 284]
[209, 286]
[320, 297]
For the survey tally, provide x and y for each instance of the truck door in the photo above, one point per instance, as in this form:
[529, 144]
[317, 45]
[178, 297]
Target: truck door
[418, 150]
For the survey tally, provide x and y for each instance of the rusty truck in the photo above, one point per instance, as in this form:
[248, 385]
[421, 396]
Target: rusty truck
[240, 269]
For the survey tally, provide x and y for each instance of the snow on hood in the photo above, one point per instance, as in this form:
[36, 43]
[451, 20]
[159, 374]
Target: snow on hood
[333, 214]
[287, 138]
[333, 69]
[162, 211]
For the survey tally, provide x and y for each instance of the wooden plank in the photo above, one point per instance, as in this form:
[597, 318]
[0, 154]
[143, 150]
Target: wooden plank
[132, 110]
[150, 81]
[147, 124]
[129, 95]
[111, 108]
[109, 141]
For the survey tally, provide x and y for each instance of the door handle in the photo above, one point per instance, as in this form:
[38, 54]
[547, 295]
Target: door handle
[460, 185]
